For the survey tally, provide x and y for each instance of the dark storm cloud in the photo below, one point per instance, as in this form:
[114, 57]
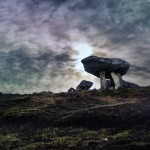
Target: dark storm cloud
[119, 15]
[20, 69]
[125, 24]
[38, 2]
[141, 58]
[34, 53]
[144, 72]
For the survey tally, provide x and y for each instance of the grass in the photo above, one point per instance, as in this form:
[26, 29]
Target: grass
[74, 138]
[87, 120]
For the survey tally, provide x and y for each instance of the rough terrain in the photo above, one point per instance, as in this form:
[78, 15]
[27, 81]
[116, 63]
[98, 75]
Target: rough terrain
[89, 120]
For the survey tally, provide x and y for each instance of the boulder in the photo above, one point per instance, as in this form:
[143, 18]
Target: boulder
[94, 65]
[84, 85]
[130, 85]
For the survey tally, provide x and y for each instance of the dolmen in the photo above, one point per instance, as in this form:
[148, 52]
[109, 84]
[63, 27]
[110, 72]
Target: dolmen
[109, 70]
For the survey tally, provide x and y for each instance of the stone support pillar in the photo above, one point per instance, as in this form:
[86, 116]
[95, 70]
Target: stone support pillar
[117, 80]
[103, 80]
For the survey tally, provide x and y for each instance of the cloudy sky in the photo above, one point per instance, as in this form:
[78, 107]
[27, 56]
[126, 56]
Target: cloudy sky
[43, 41]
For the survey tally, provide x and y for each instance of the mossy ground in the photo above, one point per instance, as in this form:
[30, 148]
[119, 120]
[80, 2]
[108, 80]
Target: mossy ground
[87, 120]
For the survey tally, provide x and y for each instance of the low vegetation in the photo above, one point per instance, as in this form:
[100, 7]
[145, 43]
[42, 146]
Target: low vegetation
[87, 120]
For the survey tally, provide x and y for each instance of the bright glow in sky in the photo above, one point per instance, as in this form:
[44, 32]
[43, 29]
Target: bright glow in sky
[84, 50]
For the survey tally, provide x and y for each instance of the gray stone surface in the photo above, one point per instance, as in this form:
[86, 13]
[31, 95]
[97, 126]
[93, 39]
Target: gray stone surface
[125, 84]
[117, 80]
[103, 80]
[71, 90]
[109, 70]
[84, 85]
[109, 84]
[94, 65]
[130, 85]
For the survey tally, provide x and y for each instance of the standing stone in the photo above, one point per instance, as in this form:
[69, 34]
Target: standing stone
[102, 80]
[117, 80]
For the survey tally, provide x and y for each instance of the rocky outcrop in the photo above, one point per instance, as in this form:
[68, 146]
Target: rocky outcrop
[83, 86]
[109, 70]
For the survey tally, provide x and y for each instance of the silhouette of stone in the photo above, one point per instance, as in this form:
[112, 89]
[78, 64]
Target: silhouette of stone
[130, 85]
[94, 65]
[117, 80]
[71, 90]
[84, 85]
[109, 84]
[110, 68]
[124, 84]
[103, 80]
[120, 83]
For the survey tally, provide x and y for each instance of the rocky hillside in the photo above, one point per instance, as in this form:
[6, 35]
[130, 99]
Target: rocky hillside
[85, 120]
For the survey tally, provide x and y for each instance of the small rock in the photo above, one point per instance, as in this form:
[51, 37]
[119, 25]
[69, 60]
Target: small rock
[71, 90]
[130, 85]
